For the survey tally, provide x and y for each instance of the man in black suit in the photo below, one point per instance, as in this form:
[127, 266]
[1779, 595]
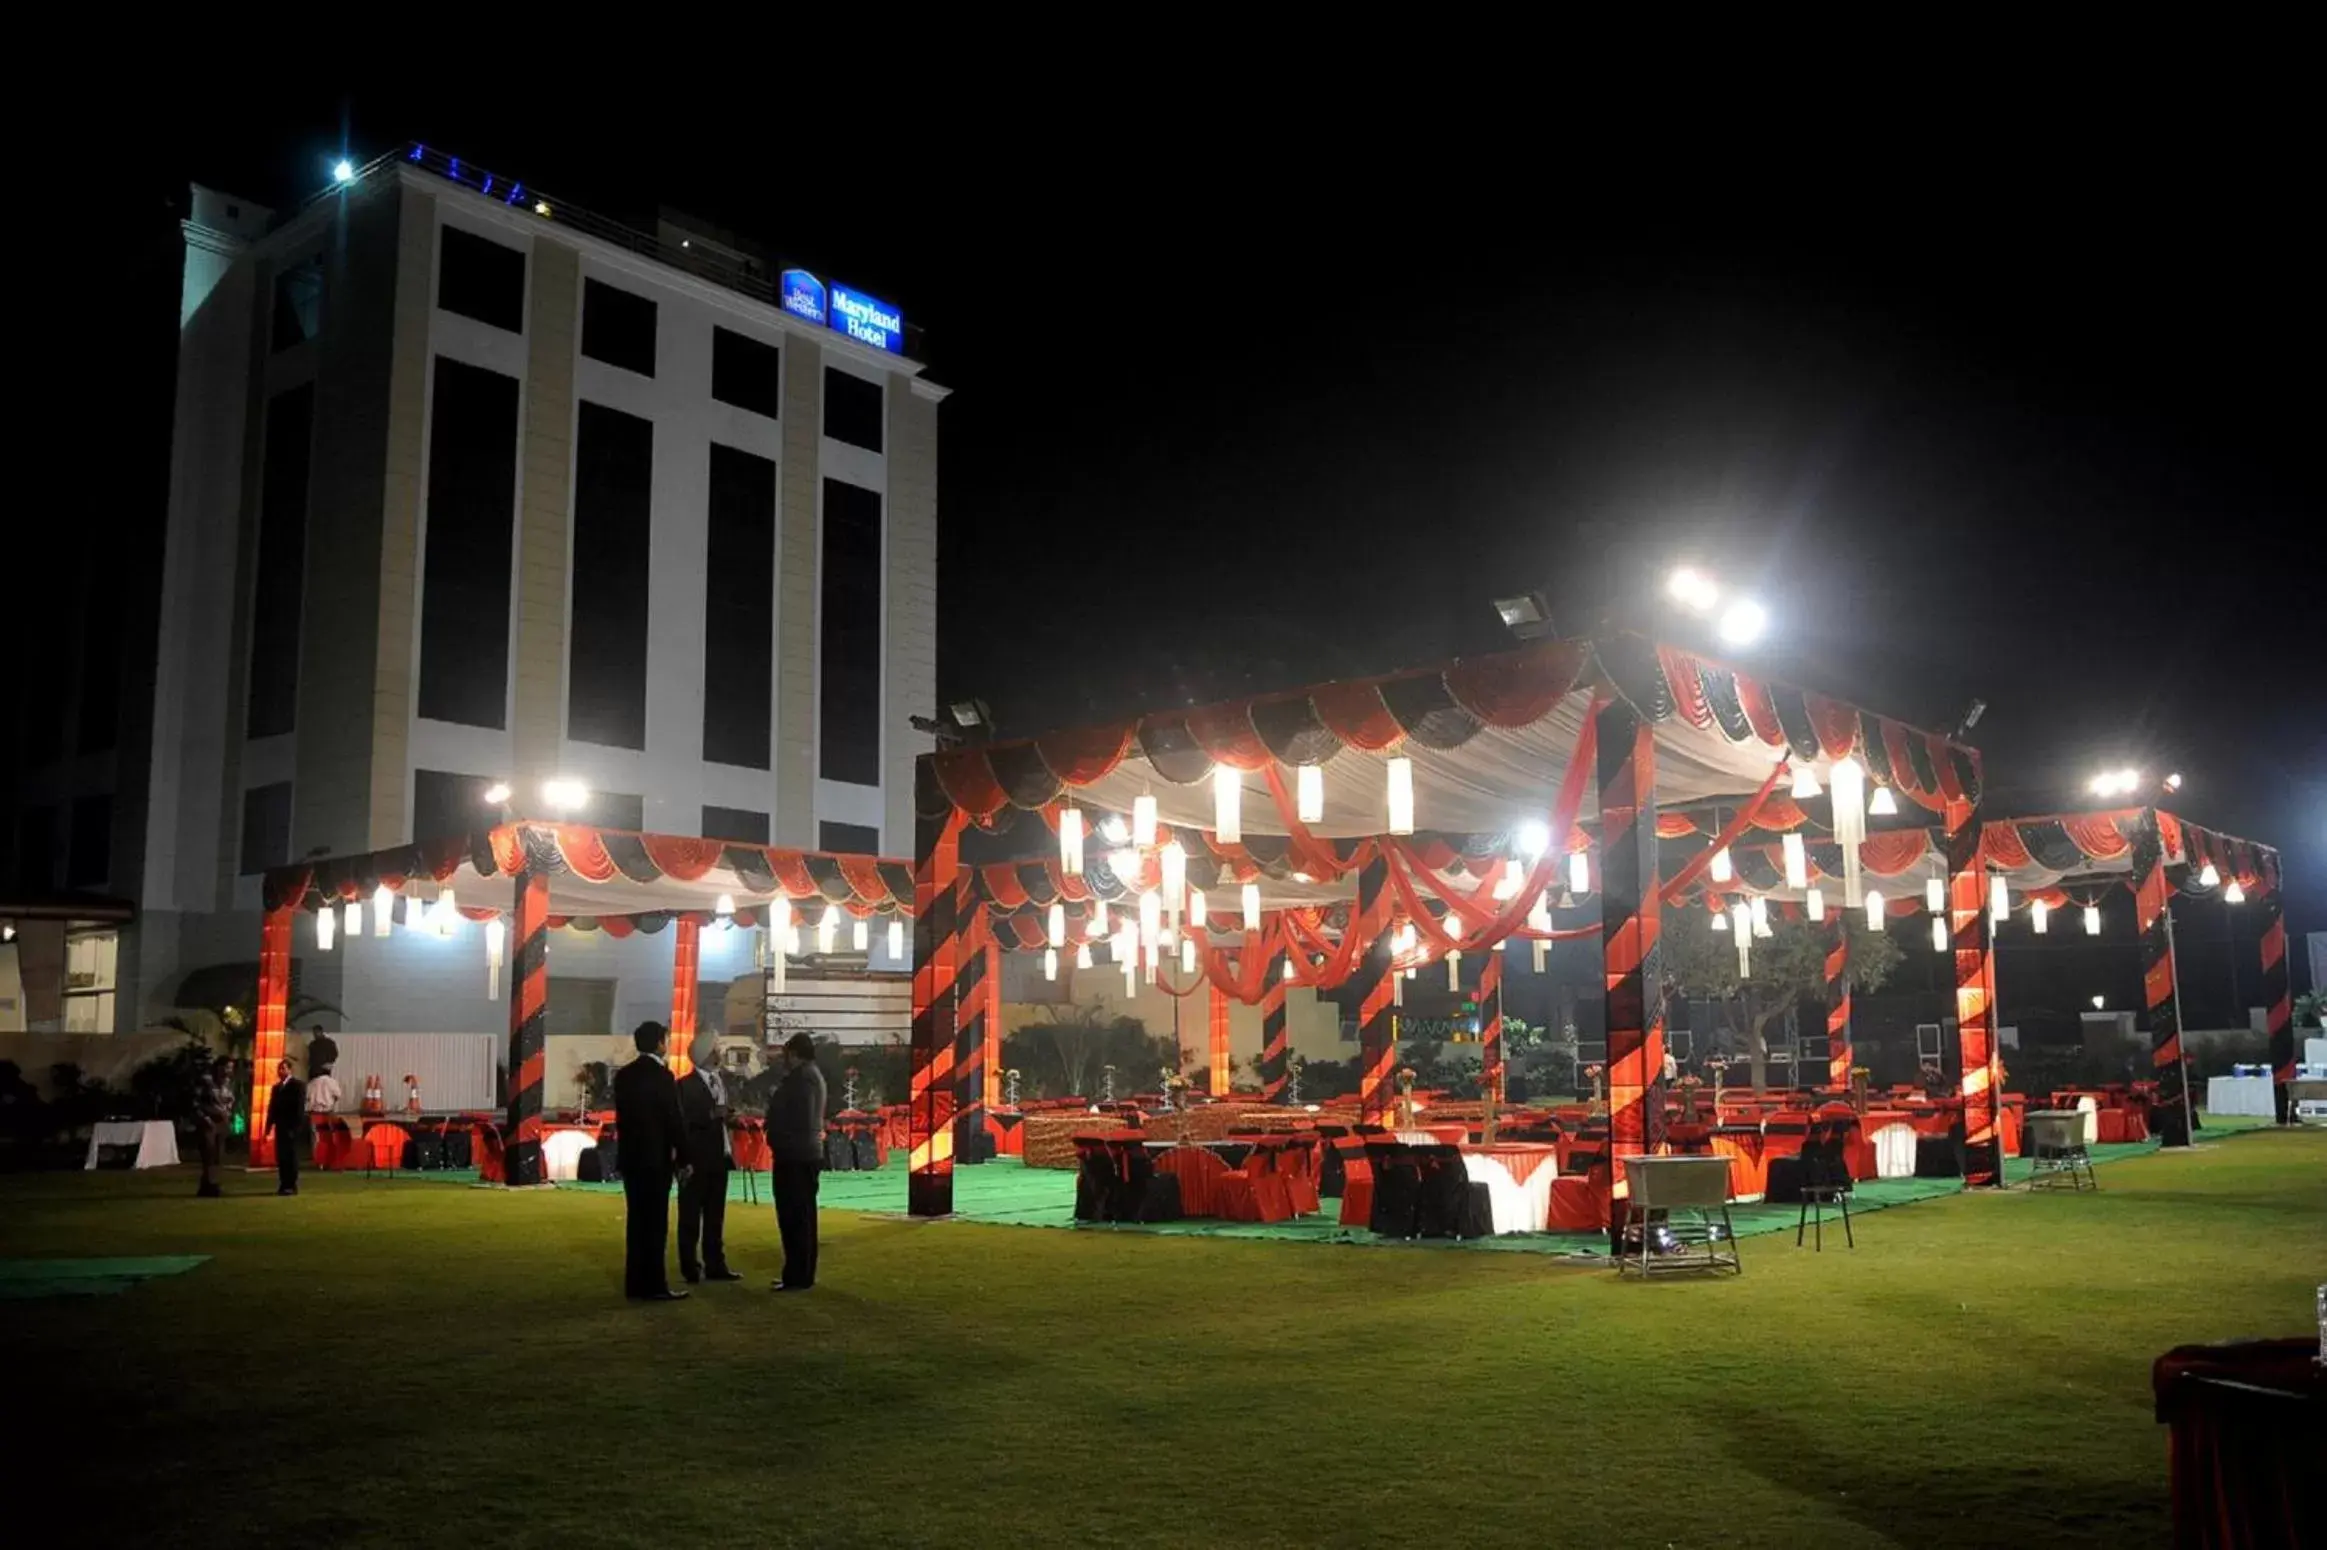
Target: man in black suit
[287, 1122]
[649, 1132]
[709, 1153]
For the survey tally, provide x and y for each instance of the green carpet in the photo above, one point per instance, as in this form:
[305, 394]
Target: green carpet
[22, 1278]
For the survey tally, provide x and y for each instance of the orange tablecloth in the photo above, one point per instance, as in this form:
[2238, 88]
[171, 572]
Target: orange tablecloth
[1522, 1158]
[1748, 1163]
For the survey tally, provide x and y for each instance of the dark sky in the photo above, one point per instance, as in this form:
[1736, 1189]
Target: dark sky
[2022, 408]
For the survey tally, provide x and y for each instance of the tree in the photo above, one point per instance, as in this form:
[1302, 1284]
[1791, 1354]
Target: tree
[1788, 967]
[1076, 1042]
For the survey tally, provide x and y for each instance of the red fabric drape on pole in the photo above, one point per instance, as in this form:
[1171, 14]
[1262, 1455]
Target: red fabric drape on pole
[686, 965]
[267, 1043]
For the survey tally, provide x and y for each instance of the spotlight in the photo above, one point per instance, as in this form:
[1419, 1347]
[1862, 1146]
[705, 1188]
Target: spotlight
[1693, 590]
[565, 794]
[1743, 621]
[2173, 782]
[1527, 616]
[497, 793]
[1534, 838]
[343, 171]
[2097, 1001]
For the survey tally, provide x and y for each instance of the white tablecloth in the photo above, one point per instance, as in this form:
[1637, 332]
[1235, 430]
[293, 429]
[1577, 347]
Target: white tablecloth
[1895, 1151]
[1516, 1206]
[2315, 1052]
[561, 1153]
[156, 1141]
[2090, 1108]
[2240, 1095]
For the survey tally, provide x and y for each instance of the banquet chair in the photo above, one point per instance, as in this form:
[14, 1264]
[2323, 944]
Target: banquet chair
[2056, 1151]
[1396, 1205]
[1447, 1203]
[1824, 1181]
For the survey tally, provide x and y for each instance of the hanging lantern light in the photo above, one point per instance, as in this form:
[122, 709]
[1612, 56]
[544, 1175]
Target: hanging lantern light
[1720, 920]
[1401, 795]
[1539, 914]
[1196, 908]
[1883, 804]
[1999, 899]
[1228, 804]
[1058, 924]
[860, 935]
[780, 919]
[1402, 940]
[496, 939]
[1721, 870]
[1454, 968]
[1848, 780]
[2038, 912]
[1187, 955]
[1050, 963]
[1805, 784]
[1741, 931]
[1934, 895]
[1579, 871]
[383, 910]
[1099, 918]
[1814, 903]
[1082, 955]
[1288, 974]
[1541, 948]
[1130, 962]
[1939, 933]
[1797, 861]
[1507, 885]
[1309, 793]
[1128, 868]
[1250, 897]
[1759, 909]
[1113, 829]
[1070, 842]
[2235, 893]
[1398, 987]
[326, 919]
[1175, 877]
[828, 928]
[896, 939]
[2208, 877]
[1143, 820]
[351, 919]
[448, 914]
[725, 907]
[1874, 910]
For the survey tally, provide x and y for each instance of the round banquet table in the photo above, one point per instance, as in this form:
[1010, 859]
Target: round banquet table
[1893, 1139]
[1519, 1176]
[562, 1147]
[156, 1141]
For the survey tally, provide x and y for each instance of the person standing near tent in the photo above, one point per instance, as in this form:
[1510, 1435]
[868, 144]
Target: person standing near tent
[710, 1153]
[213, 1112]
[649, 1134]
[287, 1123]
[796, 1147]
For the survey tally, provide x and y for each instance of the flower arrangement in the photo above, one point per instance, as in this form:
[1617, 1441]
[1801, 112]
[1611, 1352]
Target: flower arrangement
[1593, 1073]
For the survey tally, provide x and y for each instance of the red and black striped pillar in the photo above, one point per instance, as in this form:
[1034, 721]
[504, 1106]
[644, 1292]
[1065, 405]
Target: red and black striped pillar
[528, 1030]
[930, 1101]
[1629, 928]
[991, 1093]
[1219, 1043]
[971, 999]
[2279, 1009]
[1491, 1022]
[270, 1025]
[1838, 1052]
[1979, 1071]
[2160, 991]
[1377, 1027]
[686, 974]
[1275, 1046]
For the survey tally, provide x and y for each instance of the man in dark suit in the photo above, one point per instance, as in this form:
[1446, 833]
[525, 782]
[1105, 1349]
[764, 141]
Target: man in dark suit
[709, 1153]
[287, 1122]
[796, 1142]
[649, 1131]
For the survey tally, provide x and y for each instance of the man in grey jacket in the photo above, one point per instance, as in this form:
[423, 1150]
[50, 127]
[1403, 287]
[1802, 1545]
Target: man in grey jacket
[796, 1146]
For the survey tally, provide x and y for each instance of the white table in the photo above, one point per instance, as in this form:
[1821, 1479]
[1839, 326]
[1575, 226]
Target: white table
[1895, 1151]
[1516, 1205]
[156, 1141]
[2240, 1095]
[2090, 1108]
[561, 1154]
[2315, 1052]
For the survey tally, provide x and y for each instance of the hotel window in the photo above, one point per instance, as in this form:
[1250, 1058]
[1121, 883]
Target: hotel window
[849, 655]
[848, 839]
[613, 541]
[298, 314]
[277, 594]
[579, 1006]
[447, 806]
[36, 846]
[739, 609]
[464, 598]
[266, 827]
[739, 825]
[746, 373]
[90, 865]
[91, 961]
[481, 279]
[618, 327]
[852, 409]
[615, 810]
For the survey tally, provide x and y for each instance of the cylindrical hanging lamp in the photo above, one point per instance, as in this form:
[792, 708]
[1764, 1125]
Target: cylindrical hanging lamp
[1401, 795]
[1309, 791]
[1228, 804]
[1070, 842]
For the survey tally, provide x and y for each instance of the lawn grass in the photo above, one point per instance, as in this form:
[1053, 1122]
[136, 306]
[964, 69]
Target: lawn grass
[399, 1363]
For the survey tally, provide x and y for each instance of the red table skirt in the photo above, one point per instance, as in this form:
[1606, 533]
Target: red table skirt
[2249, 1430]
[1748, 1164]
[1578, 1204]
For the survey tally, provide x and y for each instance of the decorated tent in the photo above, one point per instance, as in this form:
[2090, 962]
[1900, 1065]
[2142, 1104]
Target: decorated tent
[523, 879]
[1343, 834]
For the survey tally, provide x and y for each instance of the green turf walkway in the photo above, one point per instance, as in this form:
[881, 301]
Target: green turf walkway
[22, 1278]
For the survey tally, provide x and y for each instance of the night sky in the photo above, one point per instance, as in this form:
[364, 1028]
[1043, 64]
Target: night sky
[2027, 413]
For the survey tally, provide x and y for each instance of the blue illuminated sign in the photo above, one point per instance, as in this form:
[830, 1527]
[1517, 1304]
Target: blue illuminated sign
[867, 320]
[803, 295]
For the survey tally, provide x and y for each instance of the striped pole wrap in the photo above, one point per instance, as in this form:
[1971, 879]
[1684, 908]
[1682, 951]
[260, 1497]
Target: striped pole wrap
[1377, 1028]
[1274, 1044]
[686, 991]
[937, 880]
[2279, 1009]
[272, 1023]
[1629, 927]
[1219, 1050]
[1491, 1021]
[1980, 1072]
[2160, 993]
[970, 998]
[992, 1096]
[1838, 1052]
[528, 1030]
